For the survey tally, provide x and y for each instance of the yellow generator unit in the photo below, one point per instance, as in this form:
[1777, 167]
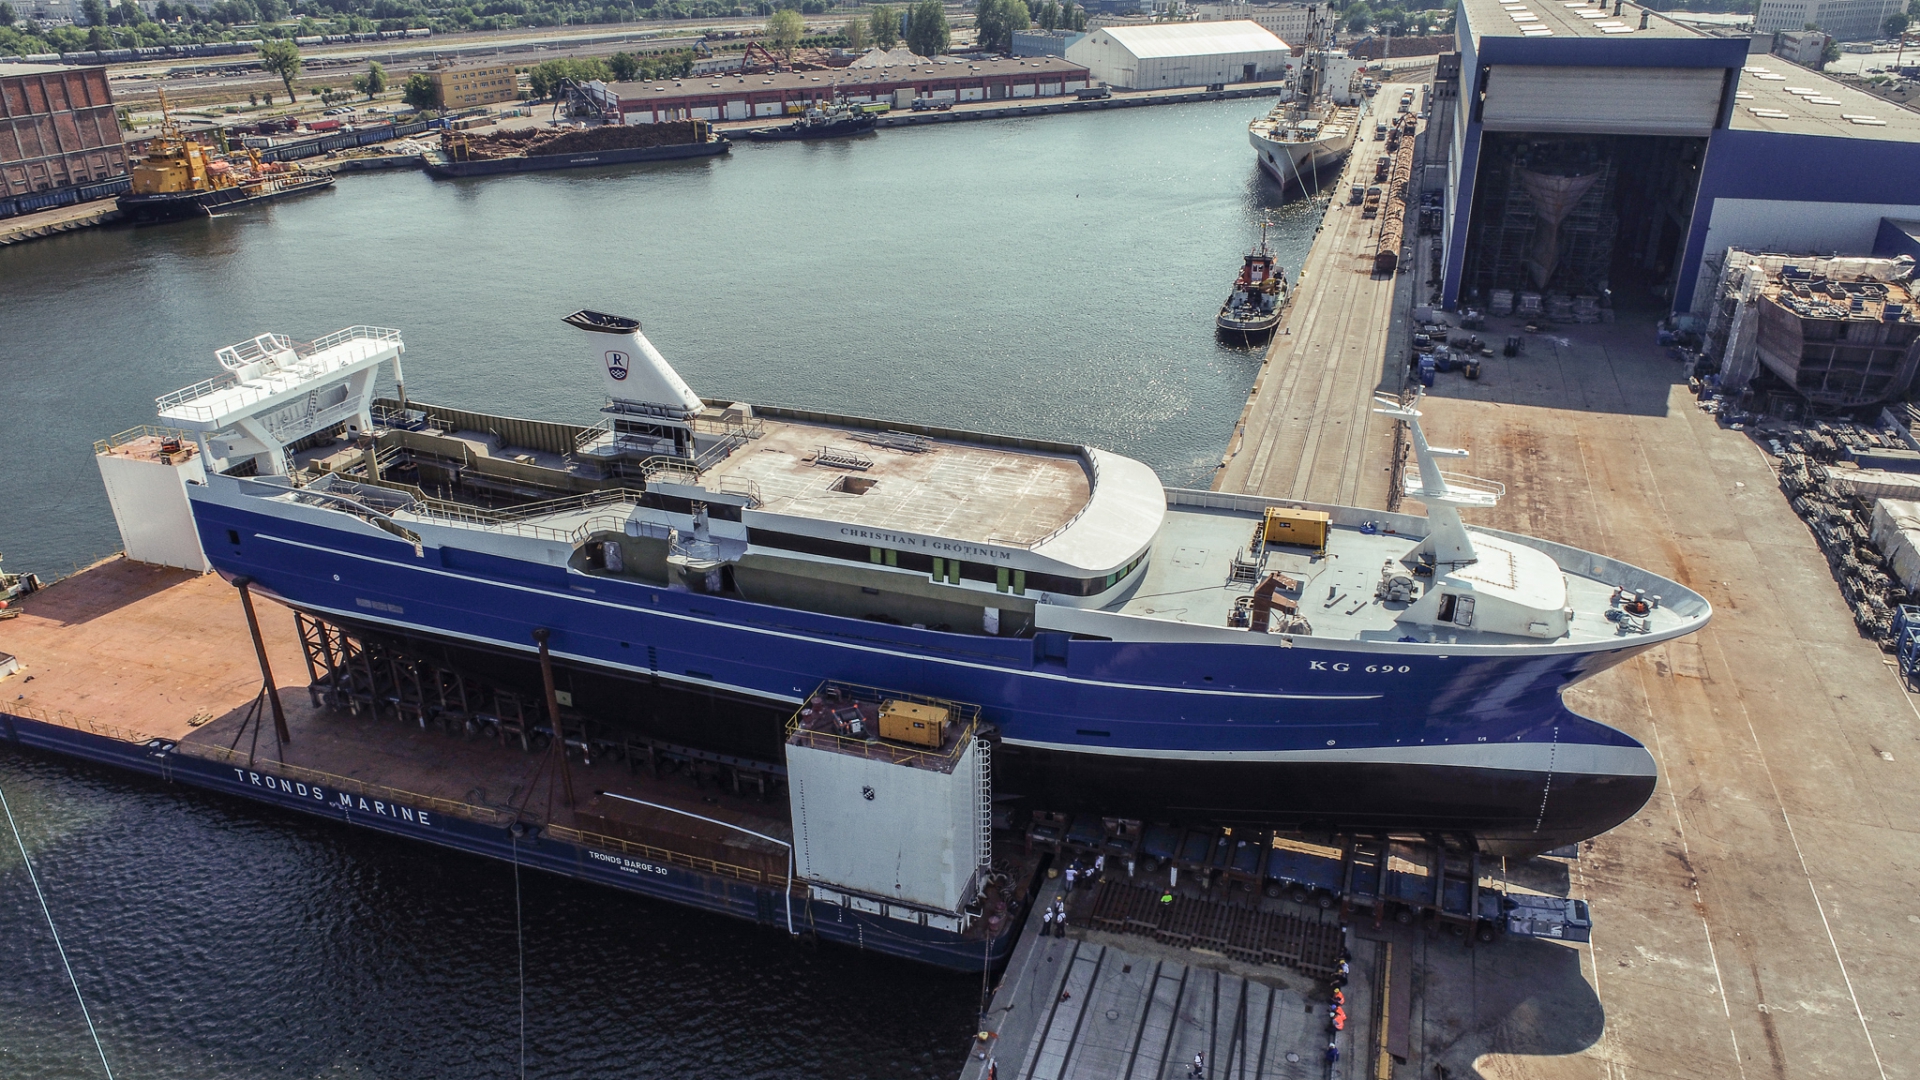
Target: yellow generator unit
[908, 722]
[1301, 528]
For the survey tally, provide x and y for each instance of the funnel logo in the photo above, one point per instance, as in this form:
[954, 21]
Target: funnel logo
[617, 364]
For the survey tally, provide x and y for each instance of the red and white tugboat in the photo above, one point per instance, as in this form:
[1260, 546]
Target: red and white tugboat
[1258, 298]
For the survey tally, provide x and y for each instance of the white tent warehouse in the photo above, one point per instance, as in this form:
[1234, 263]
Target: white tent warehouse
[1180, 54]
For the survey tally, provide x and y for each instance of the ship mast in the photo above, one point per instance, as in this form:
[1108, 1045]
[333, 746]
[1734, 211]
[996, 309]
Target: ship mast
[1308, 90]
[1448, 542]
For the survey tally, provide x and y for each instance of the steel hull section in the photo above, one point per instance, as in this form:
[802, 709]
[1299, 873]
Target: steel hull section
[1295, 163]
[759, 904]
[839, 129]
[1330, 705]
[1520, 808]
[152, 209]
[1508, 810]
[439, 166]
[1246, 330]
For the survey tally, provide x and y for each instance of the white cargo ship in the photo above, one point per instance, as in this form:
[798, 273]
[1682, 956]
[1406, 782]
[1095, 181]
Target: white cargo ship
[1317, 127]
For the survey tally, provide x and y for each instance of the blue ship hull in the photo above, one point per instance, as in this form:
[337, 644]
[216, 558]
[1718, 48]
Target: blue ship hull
[1348, 735]
[760, 904]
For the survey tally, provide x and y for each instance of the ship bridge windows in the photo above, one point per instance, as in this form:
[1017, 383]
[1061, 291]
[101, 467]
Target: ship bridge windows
[952, 571]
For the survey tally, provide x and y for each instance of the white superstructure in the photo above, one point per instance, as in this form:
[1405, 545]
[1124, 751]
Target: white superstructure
[1293, 143]
[1317, 128]
[274, 396]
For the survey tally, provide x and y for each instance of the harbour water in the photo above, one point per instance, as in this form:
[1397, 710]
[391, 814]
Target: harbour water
[1054, 277]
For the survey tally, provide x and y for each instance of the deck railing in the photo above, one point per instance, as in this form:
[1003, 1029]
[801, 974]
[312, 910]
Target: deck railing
[963, 717]
[108, 445]
[1093, 466]
[1477, 485]
[515, 521]
[233, 357]
[65, 719]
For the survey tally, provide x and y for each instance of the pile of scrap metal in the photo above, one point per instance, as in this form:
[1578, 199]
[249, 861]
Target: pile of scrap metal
[1840, 518]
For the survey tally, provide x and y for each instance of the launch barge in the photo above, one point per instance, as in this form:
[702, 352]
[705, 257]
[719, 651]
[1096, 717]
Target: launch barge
[151, 670]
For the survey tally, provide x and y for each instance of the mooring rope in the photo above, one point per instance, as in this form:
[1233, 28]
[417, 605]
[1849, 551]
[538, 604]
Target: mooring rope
[520, 945]
[48, 912]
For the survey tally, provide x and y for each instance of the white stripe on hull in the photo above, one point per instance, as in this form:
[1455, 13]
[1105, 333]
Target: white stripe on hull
[1575, 759]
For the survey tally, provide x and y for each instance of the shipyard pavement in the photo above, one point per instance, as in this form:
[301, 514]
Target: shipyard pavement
[1758, 917]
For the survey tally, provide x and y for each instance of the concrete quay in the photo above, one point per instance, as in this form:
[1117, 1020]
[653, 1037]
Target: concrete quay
[1307, 431]
[1007, 110]
[1756, 918]
[991, 110]
[33, 226]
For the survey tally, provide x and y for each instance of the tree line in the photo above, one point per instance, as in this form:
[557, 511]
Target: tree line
[121, 24]
[999, 20]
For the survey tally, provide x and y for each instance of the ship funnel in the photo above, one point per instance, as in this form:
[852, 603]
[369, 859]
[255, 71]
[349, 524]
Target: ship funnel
[632, 370]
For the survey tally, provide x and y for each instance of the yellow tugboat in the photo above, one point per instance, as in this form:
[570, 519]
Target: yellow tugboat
[178, 178]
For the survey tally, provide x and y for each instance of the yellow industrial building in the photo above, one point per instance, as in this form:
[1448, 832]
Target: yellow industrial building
[464, 85]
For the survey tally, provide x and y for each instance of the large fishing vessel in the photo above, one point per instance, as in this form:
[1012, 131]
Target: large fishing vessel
[1312, 130]
[1136, 649]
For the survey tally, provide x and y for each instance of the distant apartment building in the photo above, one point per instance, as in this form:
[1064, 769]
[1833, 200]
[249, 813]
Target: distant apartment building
[59, 137]
[462, 86]
[1845, 20]
[1288, 22]
[1803, 47]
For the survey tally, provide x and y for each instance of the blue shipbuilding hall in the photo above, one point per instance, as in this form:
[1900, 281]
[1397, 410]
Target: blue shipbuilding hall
[1600, 149]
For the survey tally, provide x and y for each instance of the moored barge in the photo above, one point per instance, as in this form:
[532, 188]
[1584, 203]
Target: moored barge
[480, 773]
[461, 156]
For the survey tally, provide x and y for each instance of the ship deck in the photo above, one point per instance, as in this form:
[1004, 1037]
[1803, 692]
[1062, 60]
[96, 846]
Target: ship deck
[1187, 581]
[135, 652]
[948, 488]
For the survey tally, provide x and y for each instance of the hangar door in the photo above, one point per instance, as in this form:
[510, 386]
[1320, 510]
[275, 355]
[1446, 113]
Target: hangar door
[1603, 100]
